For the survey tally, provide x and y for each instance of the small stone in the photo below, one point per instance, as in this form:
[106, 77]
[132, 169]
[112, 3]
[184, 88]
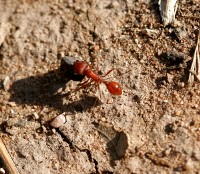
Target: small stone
[178, 113]
[96, 48]
[103, 119]
[6, 83]
[13, 104]
[110, 101]
[58, 121]
[53, 131]
[2, 171]
[55, 165]
[195, 106]
[136, 41]
[182, 84]
[36, 116]
[12, 111]
[44, 129]
[167, 151]
[170, 78]
[159, 52]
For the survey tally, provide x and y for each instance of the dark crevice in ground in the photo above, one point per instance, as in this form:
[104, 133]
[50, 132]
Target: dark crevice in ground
[74, 147]
[65, 138]
[92, 160]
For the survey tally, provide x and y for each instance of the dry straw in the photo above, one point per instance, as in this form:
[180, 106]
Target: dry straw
[195, 67]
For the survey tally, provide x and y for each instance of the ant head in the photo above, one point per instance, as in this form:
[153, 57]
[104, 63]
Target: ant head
[80, 67]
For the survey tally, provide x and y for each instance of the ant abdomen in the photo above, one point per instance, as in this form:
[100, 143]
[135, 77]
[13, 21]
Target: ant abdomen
[114, 88]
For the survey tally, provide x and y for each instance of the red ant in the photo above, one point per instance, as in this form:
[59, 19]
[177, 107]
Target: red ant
[83, 68]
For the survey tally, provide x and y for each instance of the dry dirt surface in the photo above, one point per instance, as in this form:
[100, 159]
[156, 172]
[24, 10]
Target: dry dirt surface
[153, 127]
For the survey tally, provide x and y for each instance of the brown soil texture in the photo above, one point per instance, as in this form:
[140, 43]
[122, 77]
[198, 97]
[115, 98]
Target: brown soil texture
[153, 127]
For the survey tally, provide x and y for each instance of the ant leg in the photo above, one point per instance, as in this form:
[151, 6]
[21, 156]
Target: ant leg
[118, 71]
[84, 84]
[80, 84]
[108, 72]
[98, 87]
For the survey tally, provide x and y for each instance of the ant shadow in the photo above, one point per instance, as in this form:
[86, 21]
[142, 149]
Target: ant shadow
[42, 90]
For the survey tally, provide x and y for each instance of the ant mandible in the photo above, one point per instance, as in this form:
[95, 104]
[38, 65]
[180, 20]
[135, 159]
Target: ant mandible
[83, 68]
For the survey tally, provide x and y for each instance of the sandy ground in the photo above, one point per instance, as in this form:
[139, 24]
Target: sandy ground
[153, 127]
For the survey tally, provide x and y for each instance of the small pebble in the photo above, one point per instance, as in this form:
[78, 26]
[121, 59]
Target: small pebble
[195, 106]
[44, 129]
[2, 171]
[12, 104]
[103, 119]
[170, 78]
[6, 83]
[136, 41]
[159, 52]
[110, 101]
[55, 165]
[182, 84]
[36, 115]
[53, 131]
[167, 151]
[12, 111]
[95, 48]
[178, 113]
[58, 121]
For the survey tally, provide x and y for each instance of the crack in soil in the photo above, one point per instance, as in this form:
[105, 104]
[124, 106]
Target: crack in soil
[74, 147]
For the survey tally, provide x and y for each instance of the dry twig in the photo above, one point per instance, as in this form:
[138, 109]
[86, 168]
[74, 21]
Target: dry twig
[7, 159]
[168, 10]
[195, 67]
